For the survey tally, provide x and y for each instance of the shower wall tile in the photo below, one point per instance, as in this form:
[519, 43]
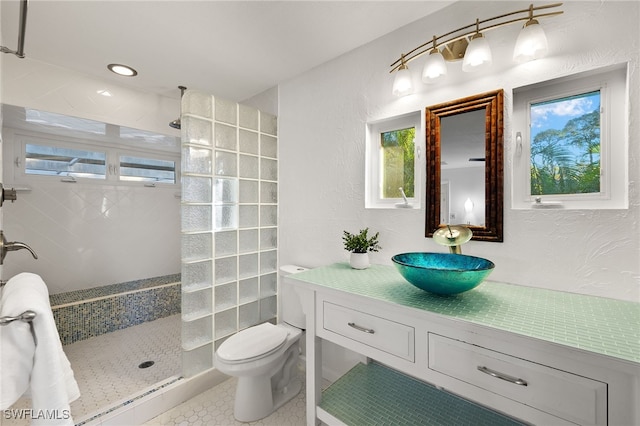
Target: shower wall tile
[241, 215]
[249, 117]
[196, 103]
[226, 111]
[268, 124]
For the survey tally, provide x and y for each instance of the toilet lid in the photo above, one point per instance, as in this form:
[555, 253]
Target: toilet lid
[252, 342]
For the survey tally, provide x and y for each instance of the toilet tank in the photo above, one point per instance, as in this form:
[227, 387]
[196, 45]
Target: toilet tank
[290, 306]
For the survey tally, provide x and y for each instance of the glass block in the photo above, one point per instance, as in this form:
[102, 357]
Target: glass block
[268, 123]
[196, 333]
[268, 308]
[197, 360]
[226, 217]
[226, 111]
[268, 238]
[248, 240]
[197, 246]
[196, 304]
[226, 164]
[248, 142]
[268, 261]
[268, 285]
[196, 276]
[196, 189]
[249, 315]
[225, 136]
[249, 167]
[268, 192]
[196, 103]
[226, 269]
[226, 296]
[248, 191]
[268, 169]
[226, 243]
[226, 191]
[268, 146]
[196, 160]
[248, 265]
[248, 290]
[248, 117]
[225, 322]
[196, 218]
[248, 216]
[268, 215]
[196, 131]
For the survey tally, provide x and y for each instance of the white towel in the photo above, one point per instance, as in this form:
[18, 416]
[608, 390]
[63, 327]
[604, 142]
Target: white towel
[51, 382]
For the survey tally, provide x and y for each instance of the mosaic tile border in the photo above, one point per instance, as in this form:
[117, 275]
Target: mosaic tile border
[109, 290]
[128, 401]
[89, 318]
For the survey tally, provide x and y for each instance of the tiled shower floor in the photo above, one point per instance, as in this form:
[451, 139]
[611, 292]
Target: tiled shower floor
[106, 366]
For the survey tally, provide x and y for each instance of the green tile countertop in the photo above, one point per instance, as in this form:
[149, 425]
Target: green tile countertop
[605, 326]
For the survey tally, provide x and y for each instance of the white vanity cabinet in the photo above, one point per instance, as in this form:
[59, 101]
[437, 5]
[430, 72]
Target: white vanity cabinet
[446, 342]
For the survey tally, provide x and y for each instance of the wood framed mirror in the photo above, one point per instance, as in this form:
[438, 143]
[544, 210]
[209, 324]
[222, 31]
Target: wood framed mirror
[465, 165]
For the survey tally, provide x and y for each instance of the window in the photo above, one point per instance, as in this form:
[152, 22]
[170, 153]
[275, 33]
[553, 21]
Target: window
[45, 147]
[147, 169]
[57, 161]
[391, 162]
[571, 143]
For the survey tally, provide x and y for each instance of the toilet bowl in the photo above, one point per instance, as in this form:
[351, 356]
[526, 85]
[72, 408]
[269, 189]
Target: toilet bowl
[264, 358]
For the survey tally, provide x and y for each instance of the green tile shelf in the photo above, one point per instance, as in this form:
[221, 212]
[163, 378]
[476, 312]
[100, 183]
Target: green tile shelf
[597, 324]
[355, 400]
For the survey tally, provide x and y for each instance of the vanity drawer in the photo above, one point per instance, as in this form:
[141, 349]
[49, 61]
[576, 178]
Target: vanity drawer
[571, 397]
[379, 333]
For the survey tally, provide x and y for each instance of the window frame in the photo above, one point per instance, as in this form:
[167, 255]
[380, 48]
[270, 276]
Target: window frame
[113, 151]
[613, 86]
[374, 160]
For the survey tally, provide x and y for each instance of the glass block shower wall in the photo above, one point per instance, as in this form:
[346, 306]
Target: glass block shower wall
[229, 223]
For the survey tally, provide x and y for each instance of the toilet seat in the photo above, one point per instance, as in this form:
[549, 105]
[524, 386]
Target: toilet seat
[254, 342]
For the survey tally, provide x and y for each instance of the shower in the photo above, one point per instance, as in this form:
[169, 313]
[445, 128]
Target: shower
[176, 123]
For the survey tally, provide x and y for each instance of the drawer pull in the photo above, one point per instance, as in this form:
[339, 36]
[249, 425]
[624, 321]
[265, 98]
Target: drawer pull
[357, 327]
[502, 376]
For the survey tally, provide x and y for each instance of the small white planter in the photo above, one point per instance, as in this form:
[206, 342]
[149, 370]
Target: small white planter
[359, 260]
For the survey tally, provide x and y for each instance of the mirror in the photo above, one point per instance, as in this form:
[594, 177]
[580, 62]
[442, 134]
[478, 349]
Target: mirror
[465, 165]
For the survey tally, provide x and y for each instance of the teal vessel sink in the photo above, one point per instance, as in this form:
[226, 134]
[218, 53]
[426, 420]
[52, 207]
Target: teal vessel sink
[442, 273]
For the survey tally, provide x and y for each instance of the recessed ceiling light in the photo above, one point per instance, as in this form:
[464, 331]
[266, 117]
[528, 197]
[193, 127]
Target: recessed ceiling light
[122, 70]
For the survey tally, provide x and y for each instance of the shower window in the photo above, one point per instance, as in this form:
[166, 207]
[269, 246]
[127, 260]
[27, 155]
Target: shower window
[147, 169]
[57, 161]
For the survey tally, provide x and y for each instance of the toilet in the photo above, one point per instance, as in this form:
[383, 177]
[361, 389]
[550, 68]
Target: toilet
[264, 358]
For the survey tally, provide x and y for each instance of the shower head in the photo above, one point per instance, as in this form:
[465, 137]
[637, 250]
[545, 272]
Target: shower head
[176, 123]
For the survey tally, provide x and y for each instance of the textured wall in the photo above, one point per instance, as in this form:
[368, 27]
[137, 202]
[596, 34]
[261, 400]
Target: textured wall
[322, 120]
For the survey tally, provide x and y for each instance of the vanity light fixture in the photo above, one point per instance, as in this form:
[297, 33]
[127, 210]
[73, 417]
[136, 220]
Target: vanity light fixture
[123, 70]
[469, 44]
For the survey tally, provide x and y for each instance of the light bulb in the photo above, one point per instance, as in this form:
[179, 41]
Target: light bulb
[402, 84]
[478, 54]
[434, 67]
[531, 43]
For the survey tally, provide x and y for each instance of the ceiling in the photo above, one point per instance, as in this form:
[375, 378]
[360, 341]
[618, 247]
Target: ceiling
[233, 49]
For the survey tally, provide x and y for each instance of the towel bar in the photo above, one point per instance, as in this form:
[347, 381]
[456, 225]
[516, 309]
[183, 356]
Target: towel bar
[26, 316]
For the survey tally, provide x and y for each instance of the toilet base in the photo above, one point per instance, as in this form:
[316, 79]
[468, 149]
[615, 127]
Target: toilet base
[258, 397]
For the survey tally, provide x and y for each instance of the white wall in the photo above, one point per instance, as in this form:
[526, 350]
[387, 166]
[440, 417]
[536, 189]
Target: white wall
[322, 116]
[90, 235]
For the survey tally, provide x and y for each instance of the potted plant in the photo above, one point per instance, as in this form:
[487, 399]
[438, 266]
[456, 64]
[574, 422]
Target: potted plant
[360, 245]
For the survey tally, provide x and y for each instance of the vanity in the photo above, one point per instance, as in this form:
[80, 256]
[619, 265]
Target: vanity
[530, 355]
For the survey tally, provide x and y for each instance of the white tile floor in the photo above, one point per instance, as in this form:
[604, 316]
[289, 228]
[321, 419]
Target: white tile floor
[106, 366]
[215, 408]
